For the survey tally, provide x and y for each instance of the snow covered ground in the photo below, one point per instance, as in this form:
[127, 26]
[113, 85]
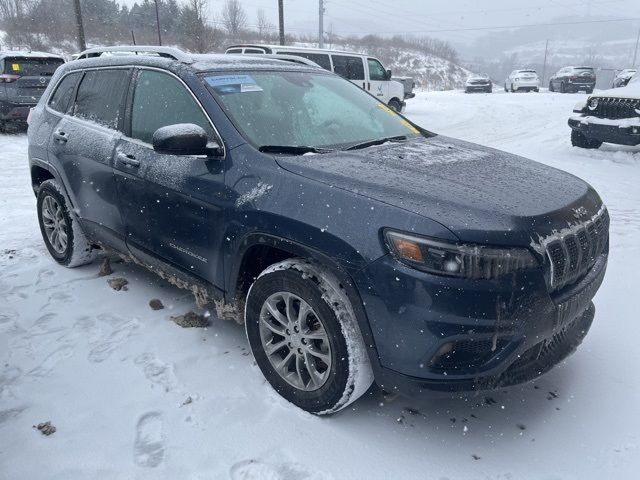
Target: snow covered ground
[115, 377]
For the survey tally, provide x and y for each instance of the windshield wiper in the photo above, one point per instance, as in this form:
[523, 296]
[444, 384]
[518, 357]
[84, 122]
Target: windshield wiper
[293, 149]
[378, 141]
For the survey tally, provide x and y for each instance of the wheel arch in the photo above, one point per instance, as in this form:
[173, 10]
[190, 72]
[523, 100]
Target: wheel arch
[258, 251]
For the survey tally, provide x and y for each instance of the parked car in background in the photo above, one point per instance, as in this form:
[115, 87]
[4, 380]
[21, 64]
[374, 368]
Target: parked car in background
[573, 79]
[478, 83]
[612, 116]
[24, 76]
[409, 85]
[622, 77]
[522, 80]
[364, 70]
[353, 244]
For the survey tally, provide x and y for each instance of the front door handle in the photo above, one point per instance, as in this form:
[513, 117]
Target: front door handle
[60, 136]
[129, 160]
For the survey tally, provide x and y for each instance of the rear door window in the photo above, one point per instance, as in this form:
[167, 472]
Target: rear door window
[31, 67]
[160, 100]
[234, 50]
[319, 58]
[60, 99]
[253, 50]
[100, 96]
[351, 68]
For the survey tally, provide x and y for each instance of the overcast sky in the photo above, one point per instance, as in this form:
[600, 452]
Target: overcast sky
[445, 19]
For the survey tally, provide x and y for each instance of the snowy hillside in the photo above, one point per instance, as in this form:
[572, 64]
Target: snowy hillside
[429, 71]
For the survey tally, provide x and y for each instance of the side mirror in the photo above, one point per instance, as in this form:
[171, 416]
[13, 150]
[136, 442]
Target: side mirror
[388, 74]
[184, 139]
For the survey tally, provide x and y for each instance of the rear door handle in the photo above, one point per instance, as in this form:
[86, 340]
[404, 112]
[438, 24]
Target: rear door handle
[129, 160]
[60, 136]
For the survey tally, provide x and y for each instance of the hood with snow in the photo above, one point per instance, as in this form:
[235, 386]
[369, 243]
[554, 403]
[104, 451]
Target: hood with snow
[480, 194]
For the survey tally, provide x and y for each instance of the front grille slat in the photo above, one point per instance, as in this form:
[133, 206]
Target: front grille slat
[615, 108]
[571, 255]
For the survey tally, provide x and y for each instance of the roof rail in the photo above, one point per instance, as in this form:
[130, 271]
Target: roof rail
[166, 52]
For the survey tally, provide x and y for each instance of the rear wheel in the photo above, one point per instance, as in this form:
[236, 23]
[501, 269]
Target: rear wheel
[581, 141]
[395, 105]
[60, 229]
[304, 337]
[589, 91]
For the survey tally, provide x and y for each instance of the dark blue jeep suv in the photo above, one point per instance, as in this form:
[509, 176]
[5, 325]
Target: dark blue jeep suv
[353, 244]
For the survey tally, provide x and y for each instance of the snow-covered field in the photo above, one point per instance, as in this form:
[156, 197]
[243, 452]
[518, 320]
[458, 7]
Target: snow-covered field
[115, 377]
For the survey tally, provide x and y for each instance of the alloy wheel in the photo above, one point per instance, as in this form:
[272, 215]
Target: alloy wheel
[55, 225]
[295, 341]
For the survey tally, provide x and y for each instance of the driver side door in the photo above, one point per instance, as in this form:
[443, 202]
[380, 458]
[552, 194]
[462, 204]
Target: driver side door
[378, 83]
[172, 204]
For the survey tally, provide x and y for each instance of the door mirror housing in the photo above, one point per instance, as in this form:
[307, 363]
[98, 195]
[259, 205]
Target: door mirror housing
[184, 139]
[388, 74]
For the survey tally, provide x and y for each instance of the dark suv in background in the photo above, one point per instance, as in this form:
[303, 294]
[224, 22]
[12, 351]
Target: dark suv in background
[573, 79]
[352, 243]
[23, 79]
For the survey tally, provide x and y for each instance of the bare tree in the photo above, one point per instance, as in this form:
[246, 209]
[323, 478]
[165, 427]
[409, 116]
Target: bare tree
[234, 17]
[264, 26]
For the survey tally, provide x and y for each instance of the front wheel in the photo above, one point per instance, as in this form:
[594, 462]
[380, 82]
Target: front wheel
[581, 141]
[60, 229]
[305, 338]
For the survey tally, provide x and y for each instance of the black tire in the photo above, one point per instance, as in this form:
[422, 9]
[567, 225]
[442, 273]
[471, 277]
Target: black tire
[537, 90]
[551, 89]
[395, 105]
[512, 89]
[349, 374]
[76, 250]
[3, 126]
[490, 90]
[579, 140]
[505, 87]
[589, 91]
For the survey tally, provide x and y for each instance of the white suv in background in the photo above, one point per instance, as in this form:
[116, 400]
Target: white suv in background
[364, 70]
[526, 80]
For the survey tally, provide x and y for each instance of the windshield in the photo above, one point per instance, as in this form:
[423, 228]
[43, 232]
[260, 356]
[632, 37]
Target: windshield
[304, 109]
[41, 67]
[635, 78]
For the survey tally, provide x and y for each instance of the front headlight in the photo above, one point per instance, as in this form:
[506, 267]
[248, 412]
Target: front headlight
[457, 260]
[579, 108]
[593, 103]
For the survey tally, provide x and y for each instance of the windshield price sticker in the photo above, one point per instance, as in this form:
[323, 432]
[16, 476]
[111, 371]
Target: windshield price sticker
[233, 84]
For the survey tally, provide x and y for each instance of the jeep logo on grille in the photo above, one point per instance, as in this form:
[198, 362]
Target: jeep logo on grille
[43, 80]
[580, 212]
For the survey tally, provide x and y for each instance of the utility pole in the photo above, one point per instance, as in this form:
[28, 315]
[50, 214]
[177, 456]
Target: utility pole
[158, 23]
[635, 54]
[321, 24]
[79, 26]
[281, 20]
[544, 67]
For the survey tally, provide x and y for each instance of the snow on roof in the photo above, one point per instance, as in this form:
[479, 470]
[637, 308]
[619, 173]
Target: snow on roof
[26, 54]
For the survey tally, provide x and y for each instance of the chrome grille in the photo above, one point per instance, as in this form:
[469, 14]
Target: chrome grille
[573, 252]
[615, 108]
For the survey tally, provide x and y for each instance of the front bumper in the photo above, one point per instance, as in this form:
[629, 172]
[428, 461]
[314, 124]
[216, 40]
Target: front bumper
[444, 334]
[610, 131]
[15, 111]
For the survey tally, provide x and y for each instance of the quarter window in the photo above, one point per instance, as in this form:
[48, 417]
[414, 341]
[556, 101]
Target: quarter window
[160, 100]
[351, 68]
[319, 58]
[100, 96]
[59, 101]
[376, 70]
[253, 50]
